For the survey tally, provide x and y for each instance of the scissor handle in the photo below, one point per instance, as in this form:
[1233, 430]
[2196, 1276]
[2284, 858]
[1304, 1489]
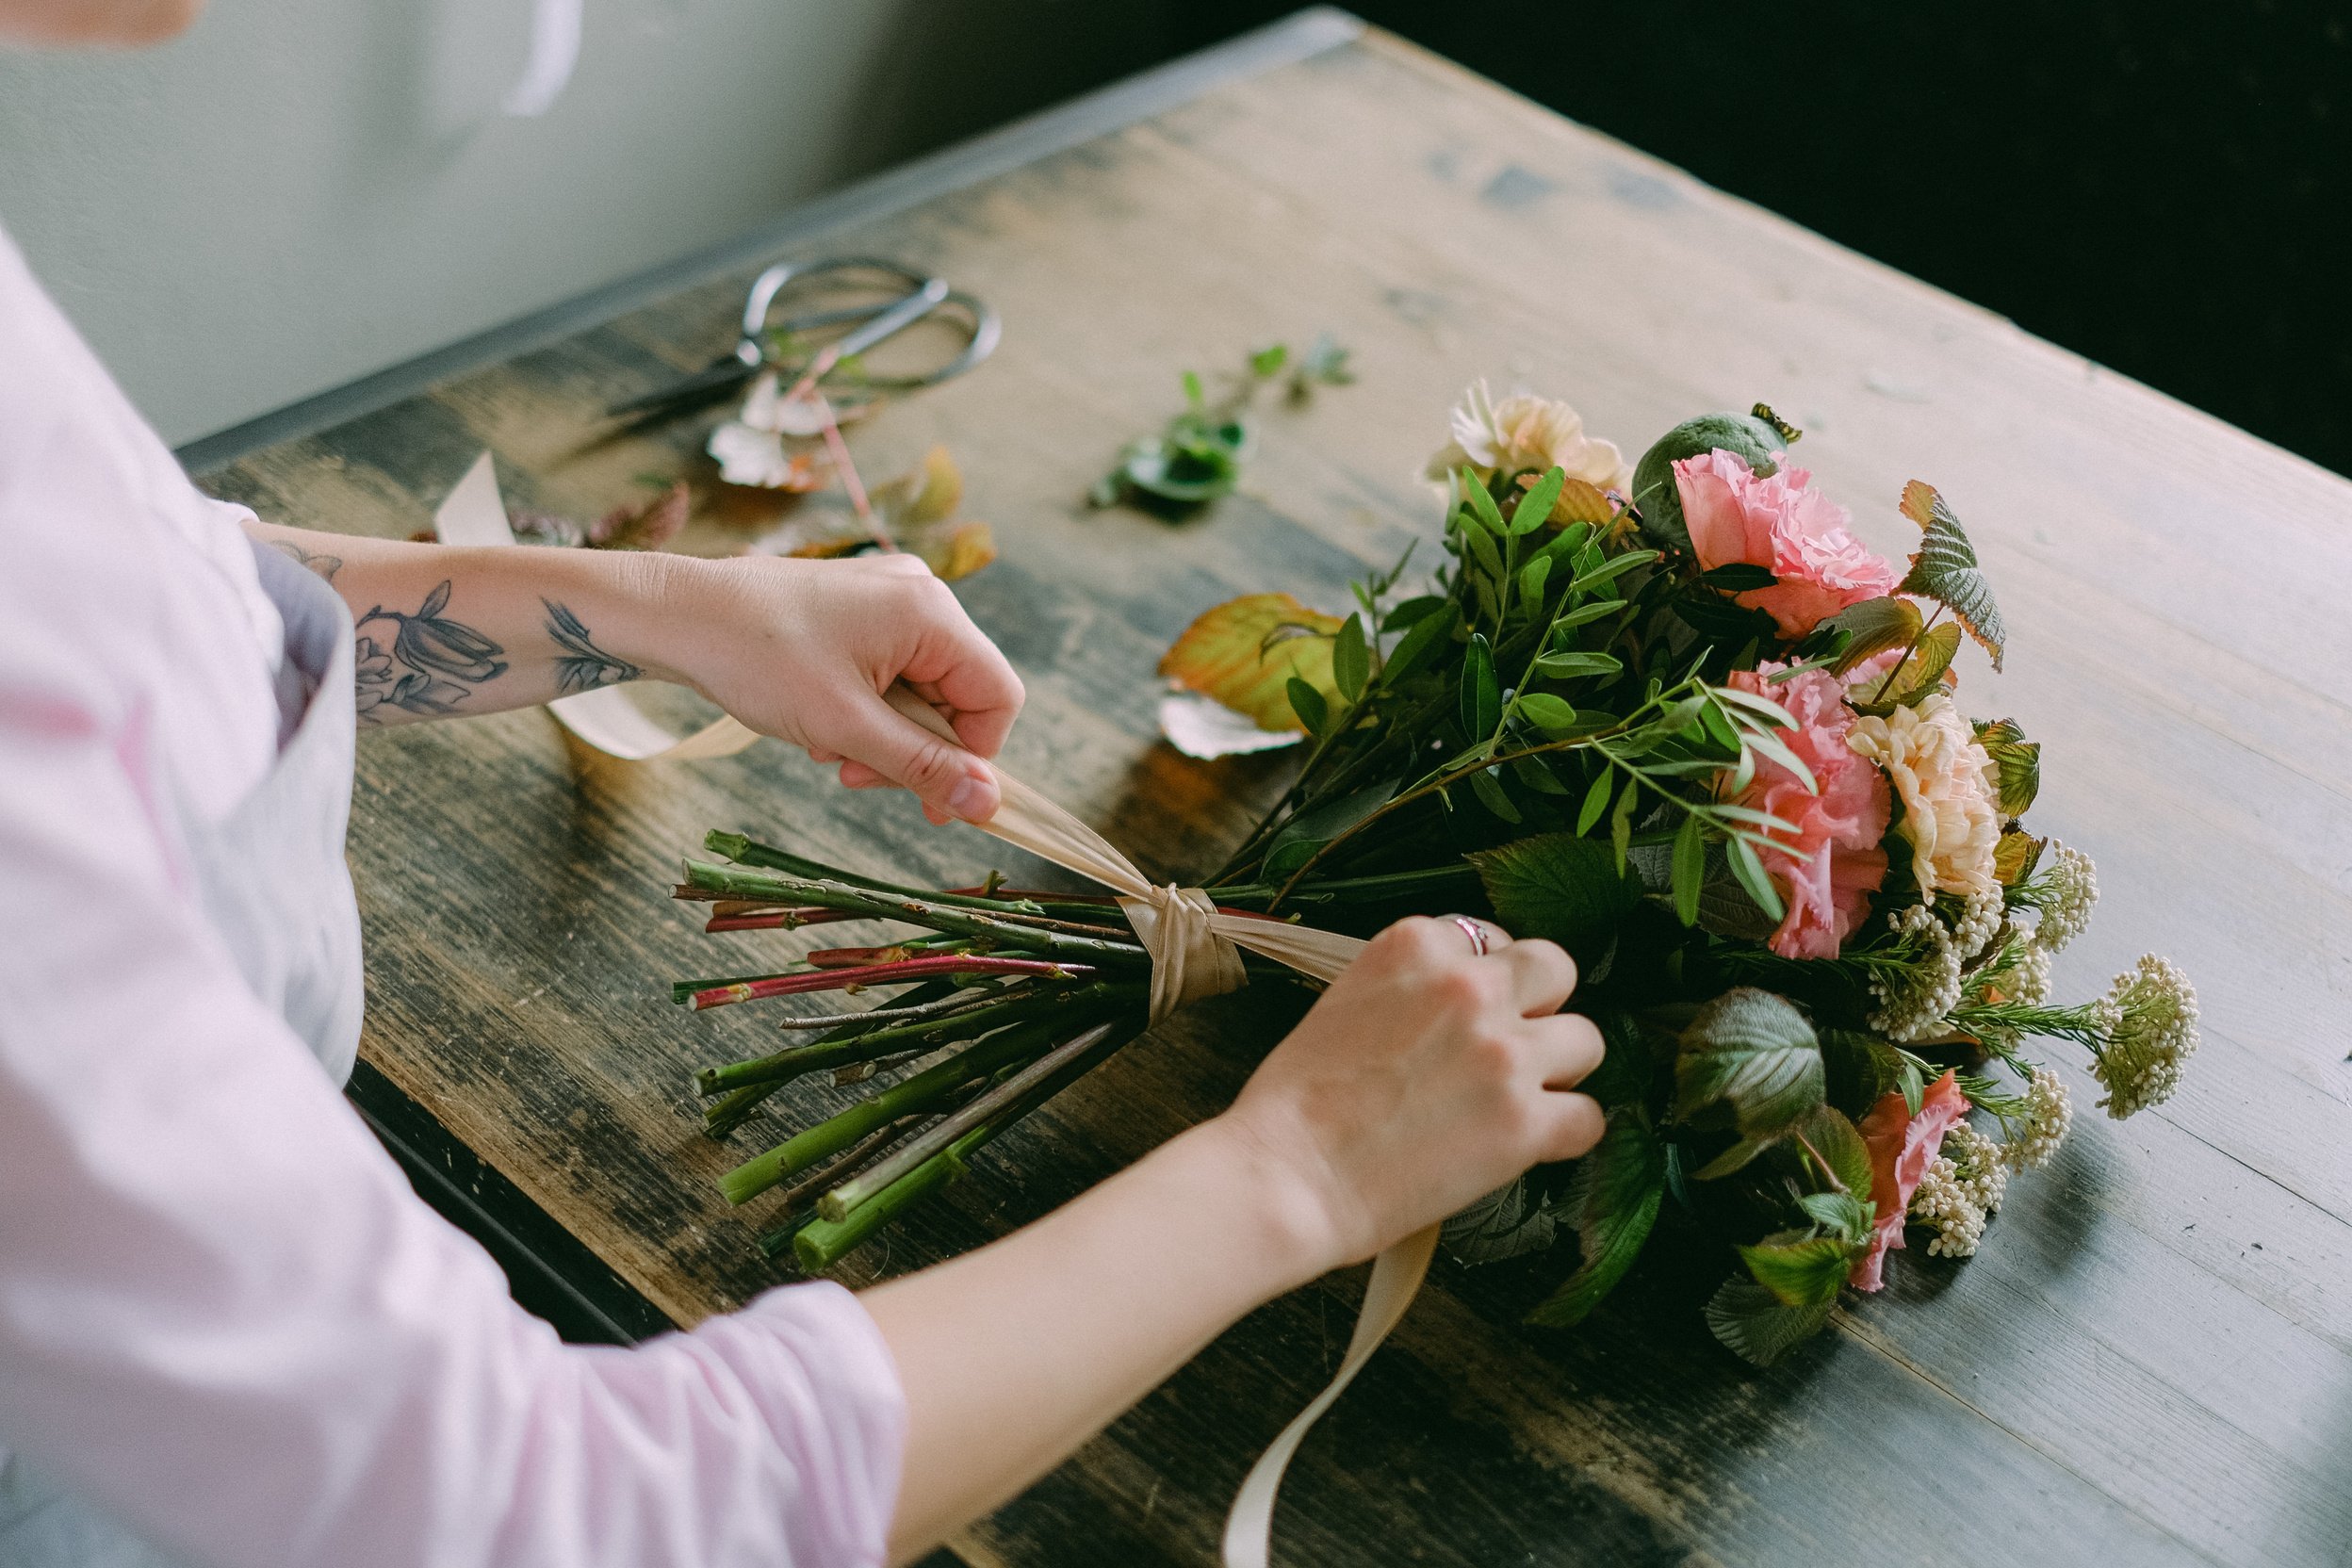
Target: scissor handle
[765, 287]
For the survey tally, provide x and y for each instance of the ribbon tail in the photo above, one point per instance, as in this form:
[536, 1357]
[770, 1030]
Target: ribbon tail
[1397, 1277]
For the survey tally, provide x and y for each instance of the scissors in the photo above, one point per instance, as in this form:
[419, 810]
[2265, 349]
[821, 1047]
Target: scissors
[764, 343]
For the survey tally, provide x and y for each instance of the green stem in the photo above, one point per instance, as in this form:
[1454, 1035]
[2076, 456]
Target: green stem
[925, 1088]
[750, 852]
[784, 1065]
[817, 1243]
[725, 1116]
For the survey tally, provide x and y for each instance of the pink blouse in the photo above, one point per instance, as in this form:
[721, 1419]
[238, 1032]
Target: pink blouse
[224, 1317]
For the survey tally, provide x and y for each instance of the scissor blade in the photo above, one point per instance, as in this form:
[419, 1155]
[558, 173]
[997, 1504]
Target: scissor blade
[705, 385]
[913, 308]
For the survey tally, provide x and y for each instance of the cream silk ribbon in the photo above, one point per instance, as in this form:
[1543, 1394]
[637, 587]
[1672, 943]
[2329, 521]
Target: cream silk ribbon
[1194, 947]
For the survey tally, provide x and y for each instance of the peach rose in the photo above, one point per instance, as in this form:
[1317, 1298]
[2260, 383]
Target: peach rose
[1901, 1147]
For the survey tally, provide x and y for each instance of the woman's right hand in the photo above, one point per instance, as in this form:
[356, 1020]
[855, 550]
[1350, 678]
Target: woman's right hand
[1429, 1075]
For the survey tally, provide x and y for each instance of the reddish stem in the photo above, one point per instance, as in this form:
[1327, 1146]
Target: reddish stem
[852, 958]
[956, 964]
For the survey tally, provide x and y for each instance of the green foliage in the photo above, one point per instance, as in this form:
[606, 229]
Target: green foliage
[1198, 455]
[1945, 568]
[1481, 696]
[1308, 704]
[1862, 631]
[1800, 1270]
[1351, 661]
[1613, 1203]
[1559, 887]
[1757, 1325]
[2016, 759]
[1748, 1058]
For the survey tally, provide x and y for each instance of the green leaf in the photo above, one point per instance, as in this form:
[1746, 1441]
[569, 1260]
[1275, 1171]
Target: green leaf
[1482, 504]
[1546, 711]
[1946, 570]
[1484, 552]
[1871, 627]
[1585, 612]
[1738, 576]
[1531, 578]
[1557, 886]
[1299, 840]
[1690, 870]
[1492, 795]
[1759, 1326]
[1481, 697]
[1609, 570]
[1267, 361]
[1806, 1272]
[1413, 612]
[2016, 853]
[1536, 505]
[1419, 645]
[1753, 1055]
[1596, 801]
[1841, 1213]
[1351, 661]
[1862, 1067]
[1759, 709]
[1192, 388]
[1308, 704]
[1731, 1159]
[1836, 1140]
[1531, 772]
[1749, 868]
[1572, 666]
[2017, 761]
[1613, 1202]
[1621, 820]
[1503, 1224]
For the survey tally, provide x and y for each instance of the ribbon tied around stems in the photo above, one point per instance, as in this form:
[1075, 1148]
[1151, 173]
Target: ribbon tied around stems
[1195, 950]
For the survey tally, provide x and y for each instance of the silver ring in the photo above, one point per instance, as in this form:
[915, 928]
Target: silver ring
[1476, 932]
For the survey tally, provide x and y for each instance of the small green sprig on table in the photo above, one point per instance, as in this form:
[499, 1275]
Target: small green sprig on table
[1200, 455]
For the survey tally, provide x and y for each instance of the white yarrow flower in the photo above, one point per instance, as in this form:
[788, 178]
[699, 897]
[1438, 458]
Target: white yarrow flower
[1978, 1166]
[2150, 1017]
[2048, 1115]
[2070, 891]
[1914, 1006]
[1943, 1204]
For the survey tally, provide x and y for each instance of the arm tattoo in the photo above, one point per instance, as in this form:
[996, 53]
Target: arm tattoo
[583, 666]
[324, 564]
[431, 664]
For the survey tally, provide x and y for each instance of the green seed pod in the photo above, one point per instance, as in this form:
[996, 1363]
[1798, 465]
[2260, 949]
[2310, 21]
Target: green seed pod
[1754, 438]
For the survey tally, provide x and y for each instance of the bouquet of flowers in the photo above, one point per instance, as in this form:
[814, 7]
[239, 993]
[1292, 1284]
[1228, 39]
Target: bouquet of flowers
[1677, 718]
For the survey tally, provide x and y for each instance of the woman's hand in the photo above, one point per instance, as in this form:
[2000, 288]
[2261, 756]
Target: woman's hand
[804, 651]
[1427, 1076]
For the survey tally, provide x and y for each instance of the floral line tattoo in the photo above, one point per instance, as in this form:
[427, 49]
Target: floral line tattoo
[583, 666]
[430, 666]
[324, 564]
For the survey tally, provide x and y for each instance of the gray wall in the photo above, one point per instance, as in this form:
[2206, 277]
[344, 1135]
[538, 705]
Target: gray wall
[300, 191]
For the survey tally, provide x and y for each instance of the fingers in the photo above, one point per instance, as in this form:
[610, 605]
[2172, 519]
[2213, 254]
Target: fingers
[956, 668]
[949, 780]
[1543, 976]
[1563, 1049]
[1577, 1122]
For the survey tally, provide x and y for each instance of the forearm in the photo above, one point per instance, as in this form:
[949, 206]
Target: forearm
[1014, 1355]
[443, 631]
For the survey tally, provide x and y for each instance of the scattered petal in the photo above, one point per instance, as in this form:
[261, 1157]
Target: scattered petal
[1205, 727]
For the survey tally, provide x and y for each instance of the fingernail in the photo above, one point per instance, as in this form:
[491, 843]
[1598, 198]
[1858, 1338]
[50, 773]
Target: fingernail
[975, 799]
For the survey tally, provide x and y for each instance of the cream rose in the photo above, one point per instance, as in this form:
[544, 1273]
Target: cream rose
[1946, 783]
[1527, 431]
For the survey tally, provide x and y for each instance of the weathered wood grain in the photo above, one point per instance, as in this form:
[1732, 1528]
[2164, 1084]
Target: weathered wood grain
[2152, 1361]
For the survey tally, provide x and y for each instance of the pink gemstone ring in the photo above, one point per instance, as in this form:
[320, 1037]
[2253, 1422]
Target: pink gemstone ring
[1476, 932]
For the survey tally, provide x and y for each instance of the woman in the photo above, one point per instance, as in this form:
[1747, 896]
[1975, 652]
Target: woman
[228, 1333]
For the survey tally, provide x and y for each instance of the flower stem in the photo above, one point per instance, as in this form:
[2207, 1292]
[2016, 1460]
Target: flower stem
[921, 1092]
[868, 1045]
[731, 1112]
[904, 970]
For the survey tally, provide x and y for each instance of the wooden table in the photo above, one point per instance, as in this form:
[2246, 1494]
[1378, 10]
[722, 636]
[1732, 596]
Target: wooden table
[2151, 1361]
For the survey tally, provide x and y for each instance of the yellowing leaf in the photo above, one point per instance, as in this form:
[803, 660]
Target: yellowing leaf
[1245, 653]
[928, 493]
[1581, 501]
[960, 551]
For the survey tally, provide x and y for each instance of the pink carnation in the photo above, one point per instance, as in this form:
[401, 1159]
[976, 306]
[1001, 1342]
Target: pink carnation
[1797, 533]
[1901, 1147]
[1828, 871]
